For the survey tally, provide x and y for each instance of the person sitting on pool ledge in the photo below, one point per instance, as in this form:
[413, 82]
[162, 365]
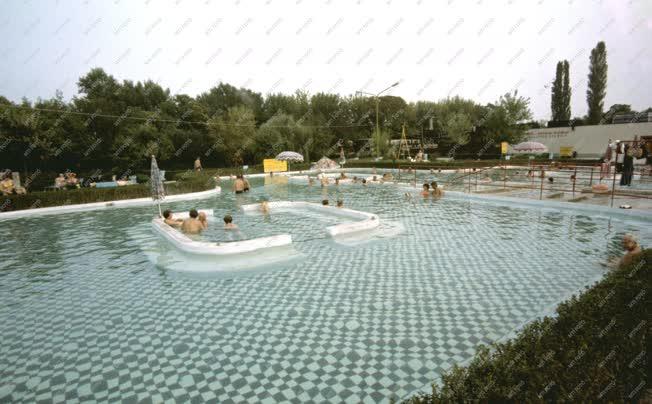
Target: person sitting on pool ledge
[192, 225]
[170, 220]
[426, 190]
[228, 223]
[436, 192]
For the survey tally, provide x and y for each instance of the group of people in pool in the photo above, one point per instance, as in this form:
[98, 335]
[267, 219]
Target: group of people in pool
[195, 223]
[325, 181]
[432, 189]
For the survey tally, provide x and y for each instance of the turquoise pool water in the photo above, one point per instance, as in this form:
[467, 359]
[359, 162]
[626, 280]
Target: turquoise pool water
[90, 311]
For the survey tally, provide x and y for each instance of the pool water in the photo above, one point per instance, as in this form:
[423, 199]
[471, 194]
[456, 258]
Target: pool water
[90, 311]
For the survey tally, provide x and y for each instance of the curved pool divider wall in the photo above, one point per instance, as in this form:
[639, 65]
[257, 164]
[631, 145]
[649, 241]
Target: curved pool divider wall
[365, 220]
[206, 248]
[123, 203]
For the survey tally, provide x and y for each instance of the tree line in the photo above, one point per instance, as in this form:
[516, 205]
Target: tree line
[113, 125]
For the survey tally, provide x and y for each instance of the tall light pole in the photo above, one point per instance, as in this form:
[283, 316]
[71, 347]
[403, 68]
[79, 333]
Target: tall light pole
[377, 98]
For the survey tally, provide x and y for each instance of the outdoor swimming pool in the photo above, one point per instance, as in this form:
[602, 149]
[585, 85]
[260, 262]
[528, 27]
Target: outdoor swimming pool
[90, 311]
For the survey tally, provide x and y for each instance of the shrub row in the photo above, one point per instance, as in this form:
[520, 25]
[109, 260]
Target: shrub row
[190, 182]
[594, 350]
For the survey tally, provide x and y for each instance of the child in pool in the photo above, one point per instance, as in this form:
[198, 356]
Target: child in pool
[228, 223]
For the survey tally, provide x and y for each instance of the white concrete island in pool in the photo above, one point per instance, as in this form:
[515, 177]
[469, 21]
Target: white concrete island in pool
[220, 249]
[364, 221]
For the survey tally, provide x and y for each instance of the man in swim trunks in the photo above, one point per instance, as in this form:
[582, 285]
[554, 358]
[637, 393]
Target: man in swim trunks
[239, 184]
[192, 225]
[170, 220]
[228, 223]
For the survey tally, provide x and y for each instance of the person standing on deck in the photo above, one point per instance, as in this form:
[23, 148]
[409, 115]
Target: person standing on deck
[197, 164]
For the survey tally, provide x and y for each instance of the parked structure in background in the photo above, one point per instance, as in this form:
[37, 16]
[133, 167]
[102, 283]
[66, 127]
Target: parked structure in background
[589, 142]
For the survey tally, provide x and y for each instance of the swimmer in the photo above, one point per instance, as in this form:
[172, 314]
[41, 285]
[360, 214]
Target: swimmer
[340, 203]
[324, 181]
[324, 202]
[355, 180]
[240, 185]
[264, 207]
[374, 179]
[170, 220]
[426, 190]
[310, 181]
[228, 223]
[364, 182]
[192, 225]
[632, 247]
[337, 181]
[343, 175]
[436, 191]
[203, 220]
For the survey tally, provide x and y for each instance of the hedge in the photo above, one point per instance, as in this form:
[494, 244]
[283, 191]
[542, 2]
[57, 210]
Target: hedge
[188, 181]
[594, 350]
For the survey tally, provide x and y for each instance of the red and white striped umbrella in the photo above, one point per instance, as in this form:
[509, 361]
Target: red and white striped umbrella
[530, 148]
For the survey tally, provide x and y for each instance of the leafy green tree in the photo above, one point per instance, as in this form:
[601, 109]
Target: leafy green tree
[597, 87]
[503, 119]
[458, 128]
[233, 135]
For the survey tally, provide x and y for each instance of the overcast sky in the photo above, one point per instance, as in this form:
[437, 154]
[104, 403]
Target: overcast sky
[477, 49]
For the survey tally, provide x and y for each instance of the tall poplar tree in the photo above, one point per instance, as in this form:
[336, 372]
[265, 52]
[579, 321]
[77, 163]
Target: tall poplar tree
[565, 108]
[597, 88]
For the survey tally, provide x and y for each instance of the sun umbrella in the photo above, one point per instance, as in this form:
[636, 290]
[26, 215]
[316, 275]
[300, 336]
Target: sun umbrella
[156, 183]
[325, 163]
[289, 156]
[529, 148]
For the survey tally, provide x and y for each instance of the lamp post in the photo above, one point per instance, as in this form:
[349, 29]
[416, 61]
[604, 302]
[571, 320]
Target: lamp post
[377, 98]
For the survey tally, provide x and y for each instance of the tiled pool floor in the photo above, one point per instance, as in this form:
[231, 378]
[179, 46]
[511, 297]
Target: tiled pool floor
[87, 315]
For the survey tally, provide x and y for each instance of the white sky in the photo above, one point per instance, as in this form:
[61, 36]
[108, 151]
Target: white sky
[477, 49]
